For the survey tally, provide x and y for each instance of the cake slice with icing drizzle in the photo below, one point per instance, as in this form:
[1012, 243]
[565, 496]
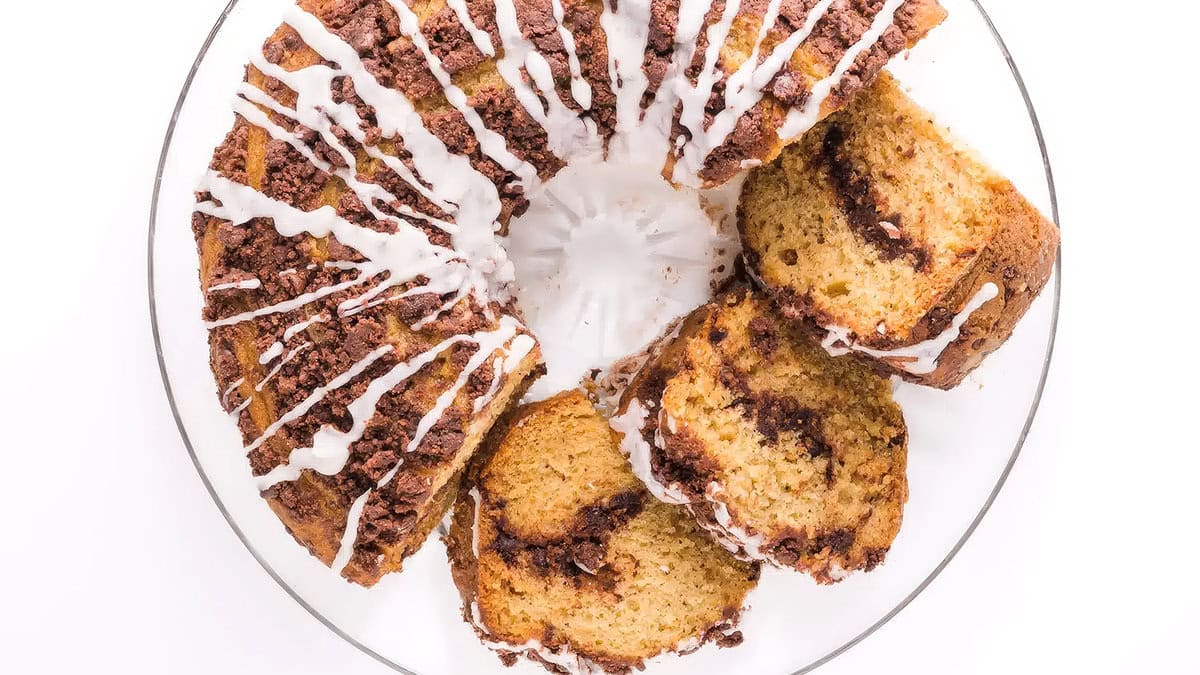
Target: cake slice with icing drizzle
[781, 452]
[894, 242]
[562, 557]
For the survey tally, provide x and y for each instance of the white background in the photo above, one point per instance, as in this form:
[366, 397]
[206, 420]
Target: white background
[114, 559]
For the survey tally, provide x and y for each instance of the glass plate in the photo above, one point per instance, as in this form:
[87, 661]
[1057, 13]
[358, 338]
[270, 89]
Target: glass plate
[962, 443]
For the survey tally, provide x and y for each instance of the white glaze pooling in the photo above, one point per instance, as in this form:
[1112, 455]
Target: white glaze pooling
[920, 358]
[588, 221]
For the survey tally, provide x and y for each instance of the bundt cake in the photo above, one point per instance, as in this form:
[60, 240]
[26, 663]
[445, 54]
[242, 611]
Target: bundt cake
[895, 242]
[781, 451]
[362, 331]
[563, 557]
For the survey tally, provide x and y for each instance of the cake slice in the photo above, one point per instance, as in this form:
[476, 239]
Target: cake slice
[562, 556]
[782, 452]
[894, 241]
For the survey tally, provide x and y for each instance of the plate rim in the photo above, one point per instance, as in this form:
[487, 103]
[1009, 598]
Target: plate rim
[849, 644]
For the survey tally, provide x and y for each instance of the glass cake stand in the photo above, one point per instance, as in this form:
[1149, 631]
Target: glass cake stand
[963, 443]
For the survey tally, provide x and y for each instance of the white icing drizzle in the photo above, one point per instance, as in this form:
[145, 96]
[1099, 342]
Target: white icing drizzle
[568, 134]
[744, 89]
[270, 354]
[920, 358]
[243, 285]
[695, 98]
[518, 347]
[838, 573]
[580, 89]
[487, 396]
[800, 120]
[287, 305]
[476, 511]
[452, 179]
[367, 192]
[490, 142]
[403, 255]
[230, 389]
[318, 394]
[279, 366]
[330, 449]
[480, 37]
[626, 27]
[630, 425]
[350, 534]
[735, 539]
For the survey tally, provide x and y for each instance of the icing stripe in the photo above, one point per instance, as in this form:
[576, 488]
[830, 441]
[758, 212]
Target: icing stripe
[743, 90]
[800, 120]
[490, 142]
[581, 90]
[483, 41]
[569, 135]
[451, 176]
[920, 358]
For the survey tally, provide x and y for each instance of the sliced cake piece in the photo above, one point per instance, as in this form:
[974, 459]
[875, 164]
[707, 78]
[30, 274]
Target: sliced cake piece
[561, 556]
[781, 451]
[896, 242]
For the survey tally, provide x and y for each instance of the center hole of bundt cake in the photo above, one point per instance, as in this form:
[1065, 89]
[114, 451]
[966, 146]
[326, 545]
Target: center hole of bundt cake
[606, 255]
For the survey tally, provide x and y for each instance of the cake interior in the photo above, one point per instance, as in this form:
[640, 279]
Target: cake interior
[803, 448]
[911, 211]
[659, 582]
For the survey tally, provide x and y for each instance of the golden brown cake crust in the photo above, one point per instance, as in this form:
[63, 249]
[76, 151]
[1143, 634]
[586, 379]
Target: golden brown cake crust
[895, 153]
[562, 557]
[782, 452]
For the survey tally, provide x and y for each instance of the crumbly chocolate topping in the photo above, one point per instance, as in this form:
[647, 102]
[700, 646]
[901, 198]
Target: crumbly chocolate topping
[842, 25]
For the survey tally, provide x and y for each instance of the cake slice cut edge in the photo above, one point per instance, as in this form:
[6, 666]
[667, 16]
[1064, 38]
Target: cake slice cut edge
[562, 557]
[892, 240]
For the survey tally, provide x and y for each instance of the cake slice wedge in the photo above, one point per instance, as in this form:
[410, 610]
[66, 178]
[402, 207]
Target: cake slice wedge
[562, 556]
[780, 451]
[894, 241]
